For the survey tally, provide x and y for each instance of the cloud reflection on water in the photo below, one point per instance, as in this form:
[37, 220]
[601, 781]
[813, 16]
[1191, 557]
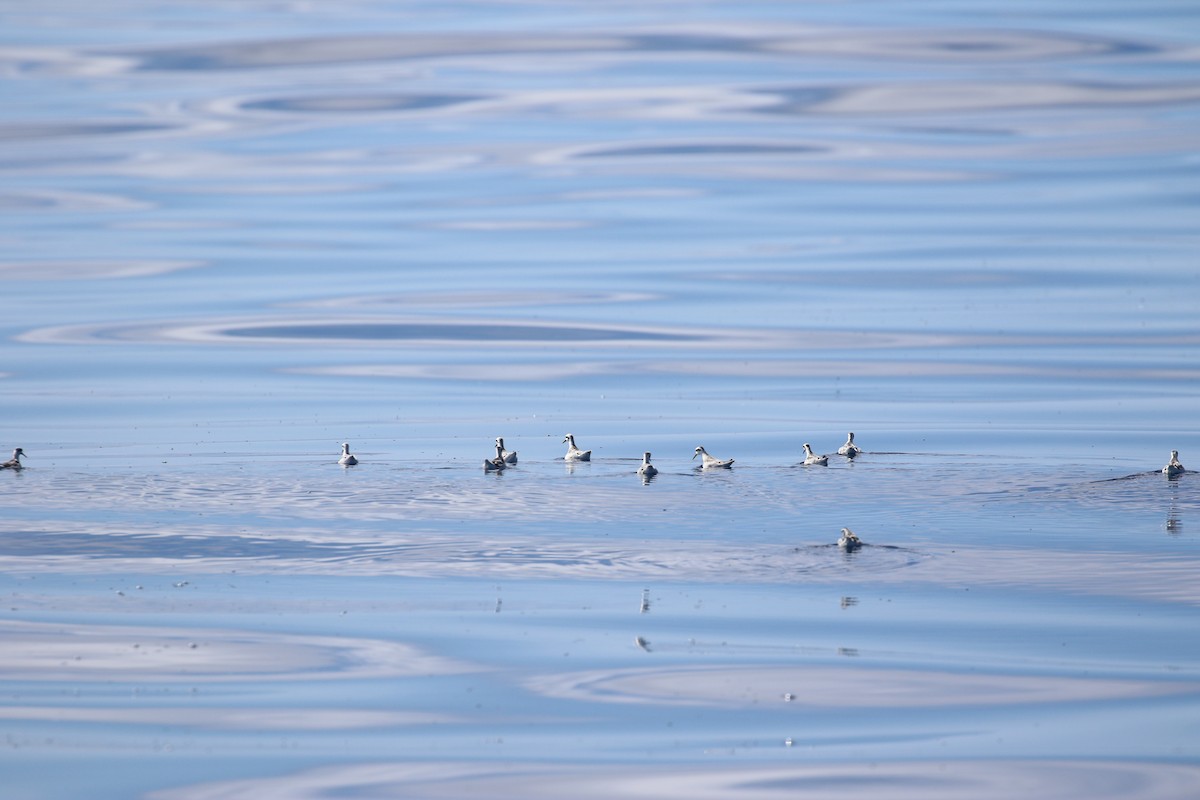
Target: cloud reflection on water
[946, 779]
[843, 687]
[983, 46]
[599, 349]
[228, 719]
[88, 270]
[251, 93]
[620, 151]
[36, 651]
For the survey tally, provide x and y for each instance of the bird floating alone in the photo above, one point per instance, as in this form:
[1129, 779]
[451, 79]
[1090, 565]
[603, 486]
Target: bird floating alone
[711, 462]
[347, 460]
[15, 461]
[849, 540]
[1173, 466]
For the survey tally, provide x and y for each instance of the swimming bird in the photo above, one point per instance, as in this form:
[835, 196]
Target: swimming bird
[15, 461]
[849, 540]
[1173, 466]
[811, 458]
[509, 456]
[711, 462]
[573, 452]
[849, 449]
[495, 464]
[647, 470]
[347, 460]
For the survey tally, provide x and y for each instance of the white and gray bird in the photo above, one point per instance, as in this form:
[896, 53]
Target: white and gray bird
[647, 470]
[347, 460]
[573, 452]
[711, 462]
[509, 456]
[15, 461]
[811, 458]
[1173, 466]
[496, 464]
[849, 540]
[849, 449]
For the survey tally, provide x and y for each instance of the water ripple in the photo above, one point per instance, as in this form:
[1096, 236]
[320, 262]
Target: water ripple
[451, 331]
[894, 99]
[227, 719]
[480, 299]
[507, 332]
[37, 651]
[943, 779]
[352, 104]
[976, 97]
[40, 131]
[842, 687]
[982, 46]
[57, 200]
[601, 523]
[87, 270]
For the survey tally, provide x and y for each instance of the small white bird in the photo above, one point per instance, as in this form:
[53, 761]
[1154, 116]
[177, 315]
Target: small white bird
[647, 470]
[711, 462]
[15, 461]
[849, 449]
[811, 458]
[1173, 466]
[495, 464]
[849, 540]
[347, 460]
[509, 456]
[573, 452]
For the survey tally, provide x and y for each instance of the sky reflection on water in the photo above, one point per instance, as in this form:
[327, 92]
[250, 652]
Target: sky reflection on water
[238, 235]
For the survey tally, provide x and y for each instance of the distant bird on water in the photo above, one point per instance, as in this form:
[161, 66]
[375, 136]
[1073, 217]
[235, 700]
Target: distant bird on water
[849, 540]
[1173, 466]
[811, 458]
[647, 470]
[496, 464]
[509, 456]
[347, 460]
[711, 462]
[849, 449]
[15, 461]
[573, 452]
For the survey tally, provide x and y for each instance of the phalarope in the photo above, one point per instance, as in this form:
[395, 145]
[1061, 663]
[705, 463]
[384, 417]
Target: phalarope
[811, 458]
[509, 456]
[15, 461]
[711, 462]
[1173, 466]
[495, 464]
[849, 540]
[849, 449]
[647, 470]
[347, 460]
[573, 452]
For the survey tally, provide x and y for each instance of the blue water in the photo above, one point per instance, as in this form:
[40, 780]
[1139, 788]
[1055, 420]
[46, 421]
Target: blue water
[237, 235]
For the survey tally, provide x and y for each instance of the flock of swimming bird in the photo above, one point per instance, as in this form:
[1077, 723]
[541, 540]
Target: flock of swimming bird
[848, 541]
[504, 457]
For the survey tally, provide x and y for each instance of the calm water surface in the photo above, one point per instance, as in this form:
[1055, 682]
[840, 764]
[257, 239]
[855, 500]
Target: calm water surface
[236, 235]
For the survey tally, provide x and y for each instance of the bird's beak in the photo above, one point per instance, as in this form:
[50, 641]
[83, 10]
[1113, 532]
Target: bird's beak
[694, 456]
